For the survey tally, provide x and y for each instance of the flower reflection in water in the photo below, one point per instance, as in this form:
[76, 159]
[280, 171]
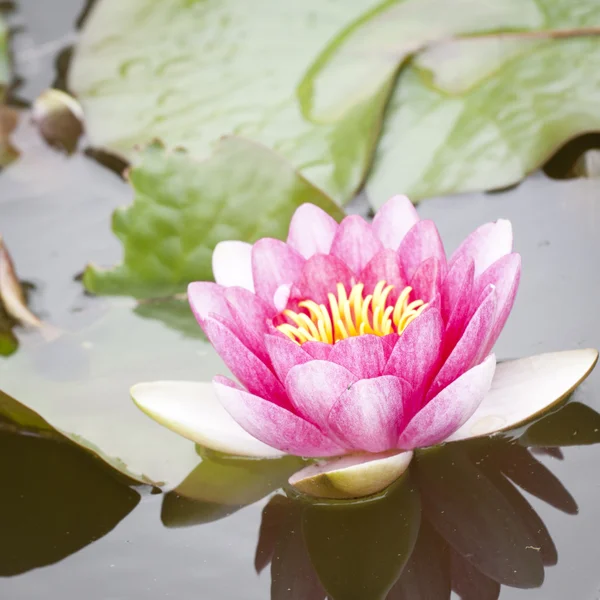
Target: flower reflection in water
[456, 520]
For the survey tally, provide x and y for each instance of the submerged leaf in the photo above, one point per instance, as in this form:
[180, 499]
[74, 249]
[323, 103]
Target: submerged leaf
[183, 208]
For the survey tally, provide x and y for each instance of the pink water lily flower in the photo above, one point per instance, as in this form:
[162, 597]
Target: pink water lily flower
[356, 343]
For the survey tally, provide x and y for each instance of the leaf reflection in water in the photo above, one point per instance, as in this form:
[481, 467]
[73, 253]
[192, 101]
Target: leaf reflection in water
[474, 532]
[60, 500]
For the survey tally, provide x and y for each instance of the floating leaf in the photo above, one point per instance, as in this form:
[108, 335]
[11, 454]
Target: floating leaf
[79, 385]
[482, 112]
[190, 72]
[183, 208]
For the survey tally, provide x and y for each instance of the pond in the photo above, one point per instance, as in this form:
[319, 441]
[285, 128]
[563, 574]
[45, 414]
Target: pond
[509, 516]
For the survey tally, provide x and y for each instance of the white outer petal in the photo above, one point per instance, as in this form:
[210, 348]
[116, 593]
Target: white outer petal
[353, 476]
[191, 409]
[232, 264]
[523, 389]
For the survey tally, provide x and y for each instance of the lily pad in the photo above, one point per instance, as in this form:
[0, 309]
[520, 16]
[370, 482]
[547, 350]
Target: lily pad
[190, 72]
[480, 113]
[78, 384]
[183, 208]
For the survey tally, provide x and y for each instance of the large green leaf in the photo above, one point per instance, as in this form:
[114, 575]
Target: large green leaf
[312, 80]
[183, 208]
[483, 112]
[190, 71]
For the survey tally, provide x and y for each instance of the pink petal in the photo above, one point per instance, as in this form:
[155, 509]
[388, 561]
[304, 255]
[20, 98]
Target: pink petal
[232, 264]
[384, 266]
[285, 354]
[458, 290]
[315, 386]
[355, 243]
[486, 245]
[505, 274]
[456, 287]
[318, 350]
[417, 353]
[368, 414]
[362, 355]
[206, 297]
[389, 343]
[274, 264]
[320, 275]
[427, 280]
[420, 243]
[469, 349]
[281, 296]
[450, 409]
[311, 231]
[252, 317]
[393, 221]
[244, 364]
[272, 424]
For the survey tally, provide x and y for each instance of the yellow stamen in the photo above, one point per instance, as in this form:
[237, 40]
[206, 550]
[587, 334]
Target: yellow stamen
[350, 315]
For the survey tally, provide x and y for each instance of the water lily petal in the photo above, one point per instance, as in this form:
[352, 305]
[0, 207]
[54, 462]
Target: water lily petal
[314, 388]
[320, 275]
[457, 286]
[384, 266]
[285, 354]
[232, 264]
[353, 476]
[450, 409]
[469, 349]
[417, 353]
[206, 297]
[273, 425]
[368, 414]
[191, 409]
[393, 221]
[505, 274]
[420, 243]
[456, 308]
[427, 280]
[274, 264]
[523, 389]
[486, 245]
[355, 243]
[311, 231]
[244, 364]
[318, 350]
[362, 355]
[252, 317]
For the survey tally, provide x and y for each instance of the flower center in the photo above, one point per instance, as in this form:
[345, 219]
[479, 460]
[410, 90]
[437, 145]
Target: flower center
[353, 314]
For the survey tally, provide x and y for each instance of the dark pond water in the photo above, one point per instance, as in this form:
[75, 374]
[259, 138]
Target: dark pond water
[524, 514]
